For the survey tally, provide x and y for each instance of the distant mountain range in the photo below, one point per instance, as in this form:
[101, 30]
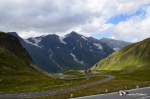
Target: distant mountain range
[133, 56]
[73, 51]
[115, 44]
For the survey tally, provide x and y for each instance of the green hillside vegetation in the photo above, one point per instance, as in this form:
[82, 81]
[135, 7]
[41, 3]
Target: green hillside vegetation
[74, 72]
[18, 73]
[134, 56]
[125, 80]
[14, 60]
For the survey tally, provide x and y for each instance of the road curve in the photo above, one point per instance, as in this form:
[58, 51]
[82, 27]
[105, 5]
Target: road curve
[54, 92]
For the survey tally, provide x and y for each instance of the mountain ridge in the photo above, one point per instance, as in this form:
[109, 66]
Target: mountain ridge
[73, 51]
[114, 44]
[133, 56]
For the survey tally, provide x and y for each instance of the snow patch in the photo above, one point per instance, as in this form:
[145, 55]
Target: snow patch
[35, 41]
[99, 46]
[49, 50]
[80, 45]
[61, 40]
[85, 38]
[50, 57]
[67, 35]
[75, 59]
[73, 48]
[82, 62]
[91, 50]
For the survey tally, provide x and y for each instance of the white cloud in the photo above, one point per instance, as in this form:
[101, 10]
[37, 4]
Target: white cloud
[136, 27]
[39, 17]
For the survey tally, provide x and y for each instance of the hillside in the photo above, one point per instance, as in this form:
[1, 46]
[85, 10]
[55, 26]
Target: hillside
[18, 74]
[14, 58]
[53, 53]
[134, 56]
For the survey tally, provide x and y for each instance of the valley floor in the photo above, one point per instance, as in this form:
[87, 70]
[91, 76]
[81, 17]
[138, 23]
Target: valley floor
[124, 80]
[55, 92]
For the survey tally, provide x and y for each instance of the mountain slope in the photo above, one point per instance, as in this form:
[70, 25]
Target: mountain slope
[134, 56]
[18, 74]
[14, 59]
[114, 44]
[73, 51]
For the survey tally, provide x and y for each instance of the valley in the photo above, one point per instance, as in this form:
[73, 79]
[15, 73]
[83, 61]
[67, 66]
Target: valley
[92, 80]
[21, 78]
[75, 49]
[124, 80]
[55, 54]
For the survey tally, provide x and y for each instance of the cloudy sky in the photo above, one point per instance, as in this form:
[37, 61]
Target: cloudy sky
[127, 20]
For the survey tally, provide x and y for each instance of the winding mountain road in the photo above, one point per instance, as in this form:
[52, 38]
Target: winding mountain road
[54, 92]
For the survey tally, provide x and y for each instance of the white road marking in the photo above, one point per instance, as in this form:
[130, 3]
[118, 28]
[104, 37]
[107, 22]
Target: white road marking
[144, 97]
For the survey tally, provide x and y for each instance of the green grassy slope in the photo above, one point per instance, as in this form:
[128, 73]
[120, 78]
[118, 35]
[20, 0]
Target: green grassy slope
[18, 74]
[17, 70]
[134, 56]
[13, 57]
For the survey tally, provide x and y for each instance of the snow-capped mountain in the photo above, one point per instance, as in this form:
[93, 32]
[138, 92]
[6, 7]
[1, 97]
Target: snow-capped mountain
[73, 51]
[114, 44]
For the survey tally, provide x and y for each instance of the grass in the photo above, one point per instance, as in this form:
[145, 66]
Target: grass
[134, 56]
[18, 76]
[125, 79]
[29, 84]
[73, 72]
[35, 83]
[77, 83]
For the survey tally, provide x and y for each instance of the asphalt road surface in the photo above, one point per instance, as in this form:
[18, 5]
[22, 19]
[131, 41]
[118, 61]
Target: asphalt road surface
[140, 93]
[54, 92]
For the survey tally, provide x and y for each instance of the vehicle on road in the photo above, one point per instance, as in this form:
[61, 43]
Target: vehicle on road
[121, 93]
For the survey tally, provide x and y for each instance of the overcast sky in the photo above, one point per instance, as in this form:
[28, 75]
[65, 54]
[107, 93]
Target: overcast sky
[127, 20]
